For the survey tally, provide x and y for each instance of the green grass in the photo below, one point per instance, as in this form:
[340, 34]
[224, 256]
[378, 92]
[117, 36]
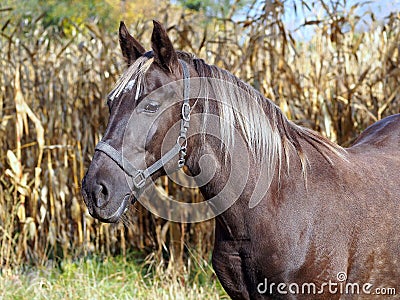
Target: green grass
[111, 278]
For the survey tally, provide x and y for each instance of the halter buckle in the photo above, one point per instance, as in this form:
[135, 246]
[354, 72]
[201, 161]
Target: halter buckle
[142, 179]
[186, 111]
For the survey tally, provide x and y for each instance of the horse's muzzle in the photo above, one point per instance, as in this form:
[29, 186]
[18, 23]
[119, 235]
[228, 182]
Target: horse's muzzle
[101, 204]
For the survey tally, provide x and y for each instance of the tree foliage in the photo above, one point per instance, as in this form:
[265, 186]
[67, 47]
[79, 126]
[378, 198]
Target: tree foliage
[214, 8]
[64, 14]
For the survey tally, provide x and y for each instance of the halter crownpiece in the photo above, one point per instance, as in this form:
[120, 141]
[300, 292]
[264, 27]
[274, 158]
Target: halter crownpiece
[139, 177]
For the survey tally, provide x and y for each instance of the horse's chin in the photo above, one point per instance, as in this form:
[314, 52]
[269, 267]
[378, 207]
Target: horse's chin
[116, 216]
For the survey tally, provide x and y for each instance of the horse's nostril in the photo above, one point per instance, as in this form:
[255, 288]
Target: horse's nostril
[101, 196]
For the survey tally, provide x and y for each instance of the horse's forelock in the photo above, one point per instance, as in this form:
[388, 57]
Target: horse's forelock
[132, 76]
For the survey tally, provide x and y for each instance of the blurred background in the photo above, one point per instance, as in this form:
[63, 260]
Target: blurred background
[332, 66]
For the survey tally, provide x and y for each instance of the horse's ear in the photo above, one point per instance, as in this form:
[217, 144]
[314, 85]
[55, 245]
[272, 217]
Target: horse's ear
[131, 48]
[164, 53]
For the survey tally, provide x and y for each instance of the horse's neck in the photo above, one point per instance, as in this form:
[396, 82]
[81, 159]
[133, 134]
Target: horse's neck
[230, 188]
[242, 184]
[246, 202]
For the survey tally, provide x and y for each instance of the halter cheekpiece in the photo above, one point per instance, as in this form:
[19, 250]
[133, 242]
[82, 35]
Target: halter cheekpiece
[139, 177]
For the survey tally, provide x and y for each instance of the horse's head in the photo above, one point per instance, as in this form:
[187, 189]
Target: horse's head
[146, 131]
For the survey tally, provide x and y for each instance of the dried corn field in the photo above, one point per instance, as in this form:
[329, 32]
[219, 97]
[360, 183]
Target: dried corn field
[52, 113]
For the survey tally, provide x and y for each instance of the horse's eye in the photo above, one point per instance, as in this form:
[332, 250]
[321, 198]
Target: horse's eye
[151, 107]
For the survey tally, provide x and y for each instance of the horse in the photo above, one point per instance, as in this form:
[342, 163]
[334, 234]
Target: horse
[296, 215]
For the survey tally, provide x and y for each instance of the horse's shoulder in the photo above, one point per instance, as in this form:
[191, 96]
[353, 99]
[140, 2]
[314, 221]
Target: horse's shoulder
[382, 134]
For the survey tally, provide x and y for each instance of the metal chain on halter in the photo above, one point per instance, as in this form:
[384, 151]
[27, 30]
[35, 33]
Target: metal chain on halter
[182, 138]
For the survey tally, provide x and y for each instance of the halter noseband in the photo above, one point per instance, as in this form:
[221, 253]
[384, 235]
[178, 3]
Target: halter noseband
[139, 177]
